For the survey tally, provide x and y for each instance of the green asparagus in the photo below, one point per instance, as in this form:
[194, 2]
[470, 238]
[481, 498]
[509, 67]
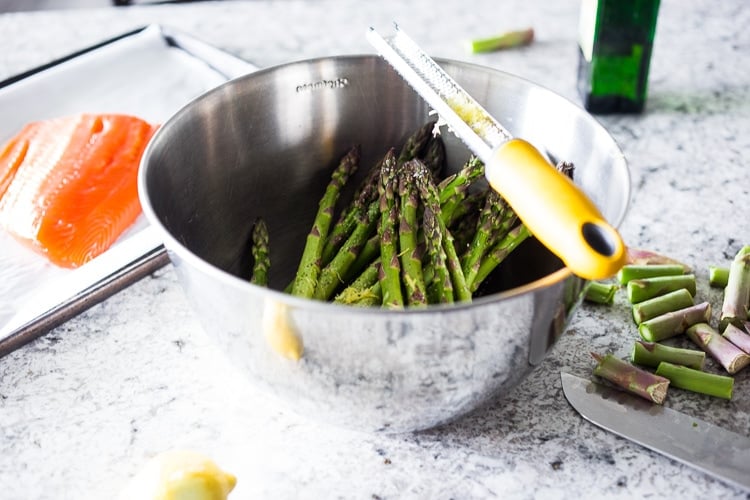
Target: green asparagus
[260, 252]
[306, 278]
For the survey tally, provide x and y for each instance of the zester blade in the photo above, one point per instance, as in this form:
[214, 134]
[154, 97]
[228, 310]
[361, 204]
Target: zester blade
[461, 112]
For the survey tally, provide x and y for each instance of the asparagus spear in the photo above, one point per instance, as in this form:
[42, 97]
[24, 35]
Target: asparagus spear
[738, 336]
[367, 254]
[416, 142]
[718, 277]
[429, 196]
[674, 323]
[648, 288]
[261, 256]
[696, 380]
[499, 252]
[731, 357]
[510, 238]
[362, 289]
[631, 378]
[390, 280]
[337, 271]
[463, 230]
[440, 286]
[734, 309]
[652, 353]
[635, 271]
[490, 220]
[366, 292]
[434, 156]
[309, 267]
[453, 190]
[466, 211]
[651, 308]
[600, 292]
[411, 259]
[367, 193]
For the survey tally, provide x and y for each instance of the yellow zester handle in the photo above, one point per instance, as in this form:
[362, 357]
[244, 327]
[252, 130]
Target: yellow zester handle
[555, 210]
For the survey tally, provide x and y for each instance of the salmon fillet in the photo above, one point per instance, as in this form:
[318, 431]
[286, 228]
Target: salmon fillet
[68, 186]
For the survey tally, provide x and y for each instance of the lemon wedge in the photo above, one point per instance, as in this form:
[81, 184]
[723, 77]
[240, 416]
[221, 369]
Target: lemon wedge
[180, 475]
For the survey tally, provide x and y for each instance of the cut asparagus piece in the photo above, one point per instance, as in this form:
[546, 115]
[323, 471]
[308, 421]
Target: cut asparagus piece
[674, 323]
[728, 355]
[634, 271]
[411, 258]
[306, 278]
[506, 40]
[738, 336]
[718, 276]
[390, 279]
[260, 252]
[600, 293]
[699, 381]
[648, 288]
[647, 257]
[652, 353]
[669, 302]
[631, 378]
[734, 308]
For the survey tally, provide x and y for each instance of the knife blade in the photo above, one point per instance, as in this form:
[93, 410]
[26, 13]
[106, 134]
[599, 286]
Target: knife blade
[689, 440]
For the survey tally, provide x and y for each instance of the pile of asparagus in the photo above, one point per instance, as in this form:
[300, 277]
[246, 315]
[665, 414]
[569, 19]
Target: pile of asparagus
[409, 237]
[662, 293]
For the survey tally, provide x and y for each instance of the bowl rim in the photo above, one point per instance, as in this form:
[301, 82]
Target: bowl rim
[173, 245]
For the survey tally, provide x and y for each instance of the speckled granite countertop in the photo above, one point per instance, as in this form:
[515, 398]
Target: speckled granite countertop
[83, 407]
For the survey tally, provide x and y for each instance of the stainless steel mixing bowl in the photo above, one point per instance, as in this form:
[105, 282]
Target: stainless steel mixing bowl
[264, 145]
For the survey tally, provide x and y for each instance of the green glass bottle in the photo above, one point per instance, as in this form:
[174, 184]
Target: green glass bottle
[616, 38]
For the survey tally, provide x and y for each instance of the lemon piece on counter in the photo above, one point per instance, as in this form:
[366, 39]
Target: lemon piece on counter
[180, 475]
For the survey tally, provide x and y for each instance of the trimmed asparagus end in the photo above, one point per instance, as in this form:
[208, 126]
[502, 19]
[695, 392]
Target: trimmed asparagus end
[647, 258]
[648, 288]
[674, 323]
[507, 40]
[718, 276]
[600, 293]
[651, 354]
[738, 336]
[734, 309]
[631, 378]
[669, 302]
[697, 381]
[640, 271]
[731, 357]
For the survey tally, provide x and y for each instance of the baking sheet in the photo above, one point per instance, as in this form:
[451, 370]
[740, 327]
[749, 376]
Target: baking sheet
[151, 73]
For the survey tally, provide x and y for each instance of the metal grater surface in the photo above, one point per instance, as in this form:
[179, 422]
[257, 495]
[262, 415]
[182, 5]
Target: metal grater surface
[461, 112]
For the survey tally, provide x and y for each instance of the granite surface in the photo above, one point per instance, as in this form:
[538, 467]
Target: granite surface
[82, 408]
